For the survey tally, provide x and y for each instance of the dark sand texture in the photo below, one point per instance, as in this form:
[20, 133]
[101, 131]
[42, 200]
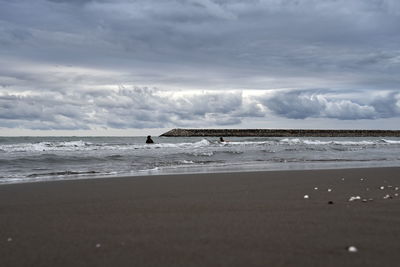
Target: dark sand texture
[236, 219]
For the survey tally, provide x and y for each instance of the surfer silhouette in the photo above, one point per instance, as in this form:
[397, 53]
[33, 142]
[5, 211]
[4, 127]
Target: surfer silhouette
[149, 140]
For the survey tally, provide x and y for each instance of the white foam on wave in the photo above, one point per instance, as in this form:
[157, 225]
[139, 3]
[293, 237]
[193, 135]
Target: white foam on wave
[316, 142]
[390, 141]
[44, 146]
[79, 145]
[354, 143]
[87, 146]
[186, 162]
[201, 143]
[249, 143]
[296, 141]
[203, 153]
[290, 140]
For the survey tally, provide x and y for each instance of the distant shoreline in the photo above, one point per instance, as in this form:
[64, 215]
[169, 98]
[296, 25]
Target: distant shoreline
[280, 133]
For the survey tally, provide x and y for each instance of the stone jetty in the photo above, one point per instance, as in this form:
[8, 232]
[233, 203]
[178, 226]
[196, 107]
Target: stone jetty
[281, 133]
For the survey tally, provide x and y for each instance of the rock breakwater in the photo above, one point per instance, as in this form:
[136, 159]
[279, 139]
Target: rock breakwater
[280, 133]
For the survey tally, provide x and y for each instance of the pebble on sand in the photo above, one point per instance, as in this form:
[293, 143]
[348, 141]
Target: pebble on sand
[306, 196]
[387, 196]
[9, 239]
[354, 198]
[352, 249]
[382, 187]
[329, 190]
[315, 188]
[98, 245]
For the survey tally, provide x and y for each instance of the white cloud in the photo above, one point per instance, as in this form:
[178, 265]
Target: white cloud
[324, 104]
[134, 107]
[124, 108]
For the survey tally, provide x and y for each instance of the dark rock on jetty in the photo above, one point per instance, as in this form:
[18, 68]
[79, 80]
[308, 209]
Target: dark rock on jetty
[281, 133]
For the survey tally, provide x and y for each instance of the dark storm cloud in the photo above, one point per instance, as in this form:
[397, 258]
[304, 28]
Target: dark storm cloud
[334, 41]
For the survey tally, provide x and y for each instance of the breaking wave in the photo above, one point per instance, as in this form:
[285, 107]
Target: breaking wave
[34, 159]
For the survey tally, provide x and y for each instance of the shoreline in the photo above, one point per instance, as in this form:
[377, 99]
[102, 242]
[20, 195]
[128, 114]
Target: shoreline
[196, 170]
[223, 219]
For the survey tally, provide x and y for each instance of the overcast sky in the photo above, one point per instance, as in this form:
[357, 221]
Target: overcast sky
[145, 66]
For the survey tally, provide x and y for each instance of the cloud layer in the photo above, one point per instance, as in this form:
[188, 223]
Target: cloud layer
[84, 64]
[221, 44]
[152, 108]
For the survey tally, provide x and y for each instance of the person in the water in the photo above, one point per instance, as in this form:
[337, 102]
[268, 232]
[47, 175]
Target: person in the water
[221, 139]
[149, 140]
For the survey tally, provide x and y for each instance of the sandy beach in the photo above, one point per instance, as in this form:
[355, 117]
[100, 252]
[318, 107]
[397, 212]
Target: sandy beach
[280, 218]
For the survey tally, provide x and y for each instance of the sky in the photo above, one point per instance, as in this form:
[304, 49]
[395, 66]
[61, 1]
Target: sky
[119, 67]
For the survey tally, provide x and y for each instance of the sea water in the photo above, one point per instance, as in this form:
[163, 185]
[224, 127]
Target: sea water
[28, 159]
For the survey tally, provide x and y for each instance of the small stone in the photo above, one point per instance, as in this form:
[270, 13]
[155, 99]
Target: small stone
[382, 187]
[98, 245]
[354, 198]
[9, 239]
[387, 196]
[367, 189]
[396, 188]
[352, 249]
[306, 197]
[330, 202]
[329, 190]
[342, 179]
[396, 194]
[364, 200]
[315, 188]
[370, 199]
[362, 179]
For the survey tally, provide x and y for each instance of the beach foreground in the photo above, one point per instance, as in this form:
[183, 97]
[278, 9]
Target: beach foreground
[230, 219]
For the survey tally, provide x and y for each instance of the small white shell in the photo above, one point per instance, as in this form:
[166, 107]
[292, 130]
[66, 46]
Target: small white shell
[354, 198]
[352, 249]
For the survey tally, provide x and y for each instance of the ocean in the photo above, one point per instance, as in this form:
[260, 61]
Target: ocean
[31, 159]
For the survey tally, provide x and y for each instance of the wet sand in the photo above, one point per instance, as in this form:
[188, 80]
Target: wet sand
[231, 219]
